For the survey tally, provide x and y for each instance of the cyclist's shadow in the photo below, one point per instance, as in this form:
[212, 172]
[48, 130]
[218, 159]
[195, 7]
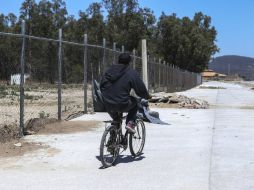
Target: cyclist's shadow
[122, 159]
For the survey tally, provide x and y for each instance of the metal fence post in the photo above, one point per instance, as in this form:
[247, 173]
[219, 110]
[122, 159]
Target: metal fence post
[60, 75]
[22, 73]
[144, 63]
[114, 52]
[85, 73]
[134, 59]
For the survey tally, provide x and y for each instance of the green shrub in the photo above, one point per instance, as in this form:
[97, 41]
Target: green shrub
[3, 92]
[29, 97]
[43, 115]
[14, 93]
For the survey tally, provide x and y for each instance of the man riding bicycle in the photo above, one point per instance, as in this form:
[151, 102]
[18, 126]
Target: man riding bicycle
[116, 85]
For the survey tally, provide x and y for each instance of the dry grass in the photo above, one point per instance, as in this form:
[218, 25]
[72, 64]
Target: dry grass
[40, 101]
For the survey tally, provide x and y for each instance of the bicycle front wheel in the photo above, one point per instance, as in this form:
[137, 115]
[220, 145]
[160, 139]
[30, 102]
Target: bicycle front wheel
[137, 140]
[109, 147]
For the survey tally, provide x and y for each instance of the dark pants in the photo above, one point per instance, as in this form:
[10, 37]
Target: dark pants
[131, 108]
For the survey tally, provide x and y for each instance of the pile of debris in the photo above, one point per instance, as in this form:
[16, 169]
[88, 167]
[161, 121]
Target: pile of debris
[33, 126]
[181, 100]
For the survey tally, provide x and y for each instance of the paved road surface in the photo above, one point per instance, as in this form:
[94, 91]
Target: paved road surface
[201, 150]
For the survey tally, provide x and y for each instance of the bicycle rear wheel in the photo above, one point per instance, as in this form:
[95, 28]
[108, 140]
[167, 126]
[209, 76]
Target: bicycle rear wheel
[137, 140]
[109, 151]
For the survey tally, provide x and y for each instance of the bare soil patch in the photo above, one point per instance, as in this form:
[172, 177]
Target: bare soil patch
[247, 107]
[9, 132]
[67, 127]
[211, 87]
[9, 149]
[12, 146]
[163, 105]
[53, 126]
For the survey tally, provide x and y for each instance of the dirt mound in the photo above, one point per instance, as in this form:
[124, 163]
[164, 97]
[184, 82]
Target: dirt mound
[171, 100]
[9, 132]
[193, 103]
[36, 124]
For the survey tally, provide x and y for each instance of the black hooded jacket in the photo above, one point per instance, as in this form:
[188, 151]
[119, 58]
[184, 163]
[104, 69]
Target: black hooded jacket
[116, 85]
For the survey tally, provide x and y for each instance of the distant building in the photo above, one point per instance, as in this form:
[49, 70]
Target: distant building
[16, 78]
[212, 75]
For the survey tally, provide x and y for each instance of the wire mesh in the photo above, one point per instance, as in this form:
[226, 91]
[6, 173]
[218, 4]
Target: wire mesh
[165, 77]
[9, 80]
[40, 87]
[72, 80]
[45, 91]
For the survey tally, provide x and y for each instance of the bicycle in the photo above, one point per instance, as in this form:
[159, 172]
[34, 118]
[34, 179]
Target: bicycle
[136, 141]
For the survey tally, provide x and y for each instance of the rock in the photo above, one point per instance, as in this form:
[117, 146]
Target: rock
[164, 99]
[18, 144]
[170, 95]
[181, 100]
[29, 132]
[174, 100]
[154, 99]
[200, 102]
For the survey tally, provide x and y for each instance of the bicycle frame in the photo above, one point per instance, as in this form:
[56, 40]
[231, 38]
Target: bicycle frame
[123, 138]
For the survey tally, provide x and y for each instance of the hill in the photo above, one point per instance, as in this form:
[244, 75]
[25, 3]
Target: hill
[233, 64]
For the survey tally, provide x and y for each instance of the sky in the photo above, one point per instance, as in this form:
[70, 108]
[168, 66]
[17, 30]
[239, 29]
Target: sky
[231, 18]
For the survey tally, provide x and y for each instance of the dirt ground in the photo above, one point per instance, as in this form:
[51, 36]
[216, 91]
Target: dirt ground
[9, 132]
[249, 84]
[163, 105]
[41, 102]
[19, 147]
[9, 149]
[67, 127]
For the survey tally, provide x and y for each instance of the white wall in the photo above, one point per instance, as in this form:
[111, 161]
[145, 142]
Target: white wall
[15, 79]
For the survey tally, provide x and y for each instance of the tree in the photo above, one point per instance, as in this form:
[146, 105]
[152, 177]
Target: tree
[187, 43]
[95, 23]
[127, 23]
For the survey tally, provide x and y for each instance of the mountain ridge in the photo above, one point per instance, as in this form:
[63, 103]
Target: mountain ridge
[234, 64]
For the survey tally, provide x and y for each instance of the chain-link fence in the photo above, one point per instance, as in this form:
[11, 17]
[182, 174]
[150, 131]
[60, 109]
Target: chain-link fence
[51, 78]
[9, 69]
[166, 77]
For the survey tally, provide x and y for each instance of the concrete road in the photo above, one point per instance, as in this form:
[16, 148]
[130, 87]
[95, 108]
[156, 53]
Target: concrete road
[209, 149]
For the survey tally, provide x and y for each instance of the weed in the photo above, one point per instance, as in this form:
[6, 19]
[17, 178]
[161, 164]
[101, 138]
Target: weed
[3, 92]
[29, 97]
[43, 115]
[14, 93]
